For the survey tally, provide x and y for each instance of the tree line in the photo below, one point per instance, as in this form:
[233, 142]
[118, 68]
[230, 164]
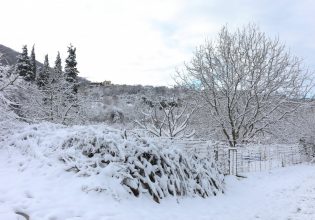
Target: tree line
[242, 86]
[45, 92]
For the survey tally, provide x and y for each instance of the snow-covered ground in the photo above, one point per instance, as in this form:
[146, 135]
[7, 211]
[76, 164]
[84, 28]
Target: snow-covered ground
[44, 191]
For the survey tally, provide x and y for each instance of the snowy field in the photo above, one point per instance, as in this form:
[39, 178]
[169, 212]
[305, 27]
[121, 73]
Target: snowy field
[45, 191]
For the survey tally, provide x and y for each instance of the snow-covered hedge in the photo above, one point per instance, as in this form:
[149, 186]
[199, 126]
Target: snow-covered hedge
[307, 148]
[139, 165]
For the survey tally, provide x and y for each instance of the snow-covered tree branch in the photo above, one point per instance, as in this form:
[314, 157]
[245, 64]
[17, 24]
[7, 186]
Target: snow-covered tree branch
[246, 81]
[166, 117]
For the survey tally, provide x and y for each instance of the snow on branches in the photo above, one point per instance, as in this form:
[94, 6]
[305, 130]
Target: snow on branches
[247, 82]
[166, 117]
[122, 164]
[143, 167]
[7, 86]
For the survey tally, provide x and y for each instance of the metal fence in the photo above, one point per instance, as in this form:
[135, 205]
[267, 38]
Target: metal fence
[267, 157]
[245, 158]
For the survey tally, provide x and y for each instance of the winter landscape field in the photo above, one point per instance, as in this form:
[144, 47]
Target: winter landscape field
[153, 110]
[34, 182]
[51, 193]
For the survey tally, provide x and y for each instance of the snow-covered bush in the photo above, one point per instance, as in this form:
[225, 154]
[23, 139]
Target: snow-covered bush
[142, 166]
[120, 163]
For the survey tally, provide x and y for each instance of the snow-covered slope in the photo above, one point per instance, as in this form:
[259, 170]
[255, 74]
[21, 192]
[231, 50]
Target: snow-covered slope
[117, 163]
[33, 182]
[45, 192]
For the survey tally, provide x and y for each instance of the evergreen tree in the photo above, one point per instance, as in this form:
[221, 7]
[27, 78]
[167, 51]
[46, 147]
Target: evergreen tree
[71, 71]
[33, 62]
[58, 67]
[23, 66]
[43, 78]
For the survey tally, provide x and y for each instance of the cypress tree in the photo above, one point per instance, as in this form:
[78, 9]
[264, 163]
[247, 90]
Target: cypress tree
[43, 77]
[33, 62]
[71, 71]
[58, 67]
[23, 66]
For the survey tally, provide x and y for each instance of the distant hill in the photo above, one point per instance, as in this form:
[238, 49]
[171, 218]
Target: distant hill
[7, 55]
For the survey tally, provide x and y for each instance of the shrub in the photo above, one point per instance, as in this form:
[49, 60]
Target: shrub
[142, 166]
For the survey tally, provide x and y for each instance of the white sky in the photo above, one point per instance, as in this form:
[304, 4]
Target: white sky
[143, 41]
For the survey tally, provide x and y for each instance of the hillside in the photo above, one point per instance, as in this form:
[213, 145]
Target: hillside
[8, 55]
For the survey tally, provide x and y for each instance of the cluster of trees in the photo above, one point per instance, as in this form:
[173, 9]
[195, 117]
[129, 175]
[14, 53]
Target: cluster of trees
[42, 92]
[244, 86]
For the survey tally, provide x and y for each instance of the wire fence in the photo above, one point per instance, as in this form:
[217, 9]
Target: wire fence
[245, 158]
[269, 157]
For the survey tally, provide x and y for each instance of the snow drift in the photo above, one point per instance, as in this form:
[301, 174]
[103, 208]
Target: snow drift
[119, 162]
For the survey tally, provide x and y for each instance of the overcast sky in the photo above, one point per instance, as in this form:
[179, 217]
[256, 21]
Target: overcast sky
[143, 41]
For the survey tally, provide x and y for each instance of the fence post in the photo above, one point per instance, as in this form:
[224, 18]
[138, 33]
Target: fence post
[216, 155]
[260, 158]
[232, 161]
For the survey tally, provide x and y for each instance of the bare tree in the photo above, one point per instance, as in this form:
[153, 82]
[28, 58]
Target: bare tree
[168, 118]
[246, 81]
[300, 126]
[6, 77]
[7, 85]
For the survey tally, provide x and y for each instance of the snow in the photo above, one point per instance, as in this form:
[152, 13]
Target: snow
[44, 191]
[117, 163]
